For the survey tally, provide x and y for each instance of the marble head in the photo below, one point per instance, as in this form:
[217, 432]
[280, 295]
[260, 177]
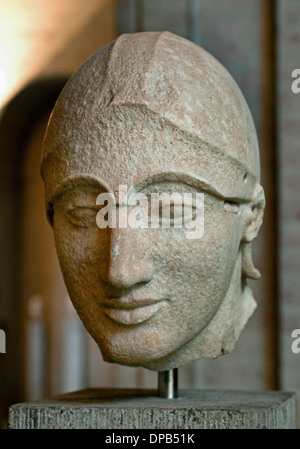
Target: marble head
[154, 114]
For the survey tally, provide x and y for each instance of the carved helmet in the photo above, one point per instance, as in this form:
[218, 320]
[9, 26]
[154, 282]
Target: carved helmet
[176, 81]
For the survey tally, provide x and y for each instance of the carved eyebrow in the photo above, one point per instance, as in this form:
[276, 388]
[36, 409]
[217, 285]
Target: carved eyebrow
[75, 181]
[178, 178]
[86, 180]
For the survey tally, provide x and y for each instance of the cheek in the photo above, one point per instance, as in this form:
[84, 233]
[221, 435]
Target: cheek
[221, 246]
[79, 250]
[203, 265]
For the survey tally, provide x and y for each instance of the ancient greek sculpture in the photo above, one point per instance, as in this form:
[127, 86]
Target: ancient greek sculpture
[152, 113]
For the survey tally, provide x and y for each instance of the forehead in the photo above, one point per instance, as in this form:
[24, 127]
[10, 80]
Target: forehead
[128, 145]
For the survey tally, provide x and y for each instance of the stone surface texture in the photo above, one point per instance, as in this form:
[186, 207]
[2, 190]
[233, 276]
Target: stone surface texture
[142, 409]
[157, 114]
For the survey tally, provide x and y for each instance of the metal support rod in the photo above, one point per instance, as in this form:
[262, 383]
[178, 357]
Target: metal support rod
[168, 383]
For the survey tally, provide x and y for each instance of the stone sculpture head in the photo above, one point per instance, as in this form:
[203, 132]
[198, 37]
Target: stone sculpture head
[155, 113]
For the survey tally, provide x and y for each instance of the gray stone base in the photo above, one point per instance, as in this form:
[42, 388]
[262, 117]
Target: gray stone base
[142, 409]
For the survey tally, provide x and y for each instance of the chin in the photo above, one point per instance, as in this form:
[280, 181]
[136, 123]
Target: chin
[128, 355]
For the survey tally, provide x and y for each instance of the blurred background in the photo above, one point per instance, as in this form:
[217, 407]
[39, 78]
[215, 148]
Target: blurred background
[41, 44]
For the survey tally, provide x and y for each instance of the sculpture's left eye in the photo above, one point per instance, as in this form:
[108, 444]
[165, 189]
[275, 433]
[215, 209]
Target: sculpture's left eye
[231, 207]
[82, 216]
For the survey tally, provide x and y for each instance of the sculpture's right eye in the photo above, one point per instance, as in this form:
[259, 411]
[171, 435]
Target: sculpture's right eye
[82, 216]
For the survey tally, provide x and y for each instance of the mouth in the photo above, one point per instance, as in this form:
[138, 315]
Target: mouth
[131, 313]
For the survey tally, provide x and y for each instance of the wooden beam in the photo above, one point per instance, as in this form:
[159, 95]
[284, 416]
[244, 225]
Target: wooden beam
[270, 183]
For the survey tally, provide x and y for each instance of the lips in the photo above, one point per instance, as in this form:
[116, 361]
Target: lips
[129, 313]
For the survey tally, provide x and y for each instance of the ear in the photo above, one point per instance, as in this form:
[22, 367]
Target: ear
[248, 268]
[253, 215]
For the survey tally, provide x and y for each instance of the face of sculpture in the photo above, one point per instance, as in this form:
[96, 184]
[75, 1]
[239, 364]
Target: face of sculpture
[144, 293]
[154, 114]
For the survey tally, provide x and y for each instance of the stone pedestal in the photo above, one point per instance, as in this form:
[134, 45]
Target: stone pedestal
[142, 409]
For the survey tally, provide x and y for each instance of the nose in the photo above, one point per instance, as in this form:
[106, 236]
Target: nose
[128, 264]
